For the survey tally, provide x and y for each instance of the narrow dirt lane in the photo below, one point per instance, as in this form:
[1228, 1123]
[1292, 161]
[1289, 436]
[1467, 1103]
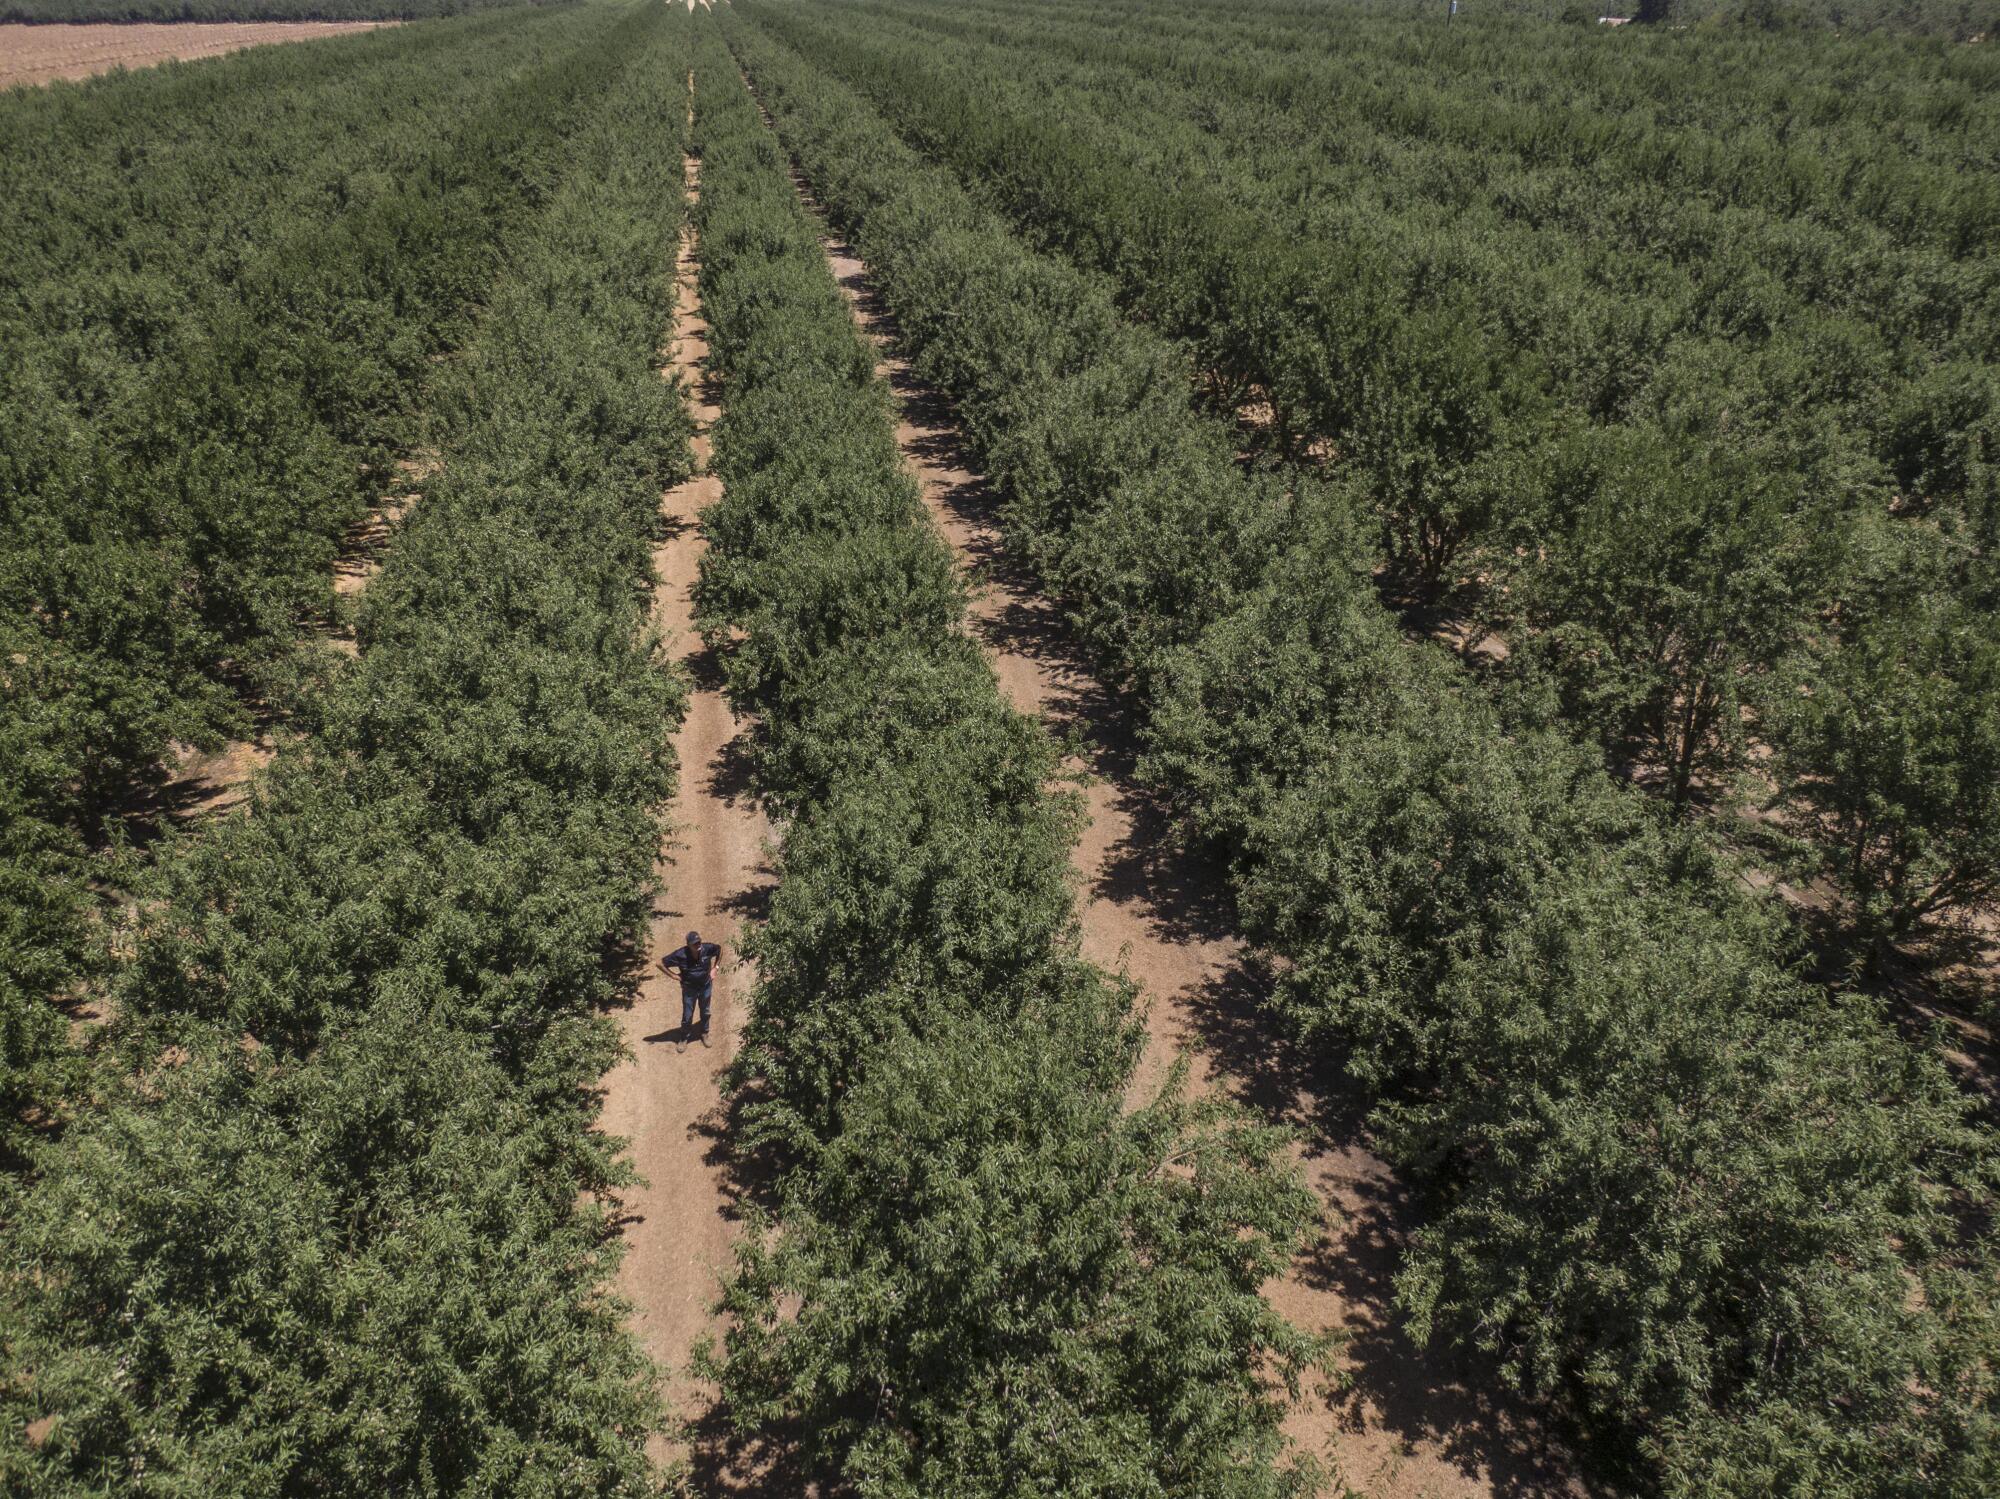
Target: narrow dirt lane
[666, 1097]
[1408, 1425]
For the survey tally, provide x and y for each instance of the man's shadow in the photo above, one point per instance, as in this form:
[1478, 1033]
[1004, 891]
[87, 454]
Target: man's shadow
[687, 1034]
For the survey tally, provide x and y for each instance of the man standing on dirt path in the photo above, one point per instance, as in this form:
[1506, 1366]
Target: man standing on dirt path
[696, 965]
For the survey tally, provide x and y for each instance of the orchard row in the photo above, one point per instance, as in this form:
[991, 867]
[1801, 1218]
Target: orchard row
[325, 1208]
[1667, 360]
[1671, 1185]
[222, 292]
[983, 1275]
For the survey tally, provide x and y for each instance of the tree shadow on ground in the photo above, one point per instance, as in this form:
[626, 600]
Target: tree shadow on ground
[767, 1465]
[749, 1173]
[180, 795]
[1456, 1404]
[732, 773]
[367, 542]
[704, 669]
[1942, 992]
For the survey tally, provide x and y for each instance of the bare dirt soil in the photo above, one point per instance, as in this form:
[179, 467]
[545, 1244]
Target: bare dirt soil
[1404, 1423]
[665, 1098]
[42, 54]
[204, 784]
[367, 545]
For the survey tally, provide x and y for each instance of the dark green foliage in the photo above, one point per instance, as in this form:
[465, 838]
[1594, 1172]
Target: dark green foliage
[221, 295]
[1732, 1221]
[1673, 1197]
[1888, 747]
[1669, 580]
[338, 1218]
[1959, 20]
[362, 1273]
[1009, 1286]
[44, 945]
[1623, 337]
[1444, 431]
[985, 1277]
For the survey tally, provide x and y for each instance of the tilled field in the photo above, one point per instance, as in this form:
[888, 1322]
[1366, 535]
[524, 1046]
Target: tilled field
[42, 54]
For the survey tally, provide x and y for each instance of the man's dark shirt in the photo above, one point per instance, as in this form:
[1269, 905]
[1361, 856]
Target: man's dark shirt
[695, 968]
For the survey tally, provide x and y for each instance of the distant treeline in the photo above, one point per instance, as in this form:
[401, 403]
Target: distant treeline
[242, 10]
[1961, 20]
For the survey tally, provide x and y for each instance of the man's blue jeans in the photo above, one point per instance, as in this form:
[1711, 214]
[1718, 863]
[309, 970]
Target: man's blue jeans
[690, 995]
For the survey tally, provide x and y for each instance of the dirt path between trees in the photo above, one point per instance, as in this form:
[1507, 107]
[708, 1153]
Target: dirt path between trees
[201, 784]
[42, 54]
[1407, 1425]
[665, 1098]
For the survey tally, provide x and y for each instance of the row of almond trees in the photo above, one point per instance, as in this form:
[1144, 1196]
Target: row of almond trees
[979, 1273]
[328, 1211]
[222, 291]
[1671, 365]
[1733, 1223]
